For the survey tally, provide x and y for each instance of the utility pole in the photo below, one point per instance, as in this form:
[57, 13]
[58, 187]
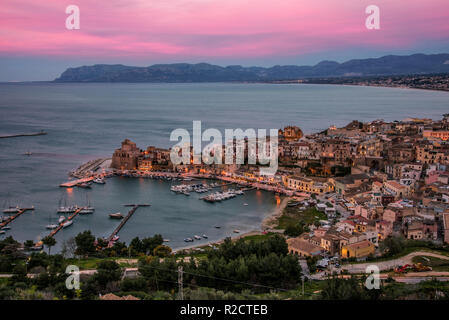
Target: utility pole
[180, 289]
[302, 278]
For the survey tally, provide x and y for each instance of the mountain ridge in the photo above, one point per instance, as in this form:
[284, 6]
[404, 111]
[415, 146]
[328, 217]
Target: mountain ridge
[204, 72]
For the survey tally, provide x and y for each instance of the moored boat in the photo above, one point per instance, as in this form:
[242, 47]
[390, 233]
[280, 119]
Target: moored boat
[197, 237]
[99, 181]
[67, 224]
[87, 210]
[70, 209]
[12, 210]
[51, 226]
[84, 185]
[116, 215]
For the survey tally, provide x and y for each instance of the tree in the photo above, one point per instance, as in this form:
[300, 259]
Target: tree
[149, 244]
[49, 242]
[137, 245]
[162, 251]
[107, 271]
[392, 245]
[28, 244]
[85, 243]
[68, 248]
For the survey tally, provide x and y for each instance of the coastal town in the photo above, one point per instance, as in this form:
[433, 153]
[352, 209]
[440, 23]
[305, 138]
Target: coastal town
[369, 193]
[369, 180]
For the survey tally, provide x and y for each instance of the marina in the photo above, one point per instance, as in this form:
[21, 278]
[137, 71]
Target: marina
[63, 224]
[15, 216]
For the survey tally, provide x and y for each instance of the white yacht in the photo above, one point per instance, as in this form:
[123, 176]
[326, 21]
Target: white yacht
[87, 210]
[99, 181]
[12, 210]
[67, 224]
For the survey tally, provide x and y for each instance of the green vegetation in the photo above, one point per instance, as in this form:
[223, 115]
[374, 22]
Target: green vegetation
[294, 219]
[256, 267]
[396, 247]
[435, 263]
[259, 266]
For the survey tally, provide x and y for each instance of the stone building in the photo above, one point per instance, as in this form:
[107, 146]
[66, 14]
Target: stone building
[126, 157]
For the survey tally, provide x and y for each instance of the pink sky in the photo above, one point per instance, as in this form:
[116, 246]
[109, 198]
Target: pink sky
[149, 30]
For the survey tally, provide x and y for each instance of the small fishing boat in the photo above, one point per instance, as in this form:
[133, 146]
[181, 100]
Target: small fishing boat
[217, 227]
[51, 226]
[6, 228]
[197, 237]
[99, 181]
[61, 219]
[84, 185]
[115, 238]
[166, 240]
[116, 215]
[245, 204]
[67, 224]
[204, 236]
[188, 240]
[236, 231]
[2, 232]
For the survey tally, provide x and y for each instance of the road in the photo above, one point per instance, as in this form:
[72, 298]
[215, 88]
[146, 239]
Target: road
[391, 264]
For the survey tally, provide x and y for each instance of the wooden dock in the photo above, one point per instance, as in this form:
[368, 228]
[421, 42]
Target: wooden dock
[73, 183]
[125, 219]
[60, 226]
[12, 218]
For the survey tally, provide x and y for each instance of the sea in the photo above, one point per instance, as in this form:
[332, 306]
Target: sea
[86, 121]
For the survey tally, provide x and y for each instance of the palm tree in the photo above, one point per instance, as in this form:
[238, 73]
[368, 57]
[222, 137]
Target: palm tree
[49, 242]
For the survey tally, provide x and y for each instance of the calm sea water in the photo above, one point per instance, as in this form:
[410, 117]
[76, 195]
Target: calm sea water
[87, 121]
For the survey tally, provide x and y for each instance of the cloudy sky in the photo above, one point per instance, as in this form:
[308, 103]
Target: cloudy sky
[36, 45]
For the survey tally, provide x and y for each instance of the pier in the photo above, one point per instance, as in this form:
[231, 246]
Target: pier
[41, 133]
[125, 219]
[12, 218]
[73, 183]
[89, 168]
[55, 231]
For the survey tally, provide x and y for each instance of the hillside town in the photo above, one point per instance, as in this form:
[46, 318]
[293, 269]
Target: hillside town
[371, 181]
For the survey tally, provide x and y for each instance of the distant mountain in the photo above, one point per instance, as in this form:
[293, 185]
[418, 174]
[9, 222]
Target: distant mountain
[204, 72]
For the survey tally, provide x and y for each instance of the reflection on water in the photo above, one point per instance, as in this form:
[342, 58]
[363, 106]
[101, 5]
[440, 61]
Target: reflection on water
[175, 216]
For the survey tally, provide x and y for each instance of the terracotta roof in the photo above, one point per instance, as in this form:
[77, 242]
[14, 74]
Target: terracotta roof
[360, 245]
[302, 245]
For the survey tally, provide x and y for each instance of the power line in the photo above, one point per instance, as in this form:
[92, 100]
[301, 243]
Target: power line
[221, 279]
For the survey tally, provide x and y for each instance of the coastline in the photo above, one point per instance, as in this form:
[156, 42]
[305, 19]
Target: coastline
[267, 225]
[269, 222]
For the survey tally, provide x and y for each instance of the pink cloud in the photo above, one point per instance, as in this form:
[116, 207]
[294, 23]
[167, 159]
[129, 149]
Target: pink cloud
[147, 29]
